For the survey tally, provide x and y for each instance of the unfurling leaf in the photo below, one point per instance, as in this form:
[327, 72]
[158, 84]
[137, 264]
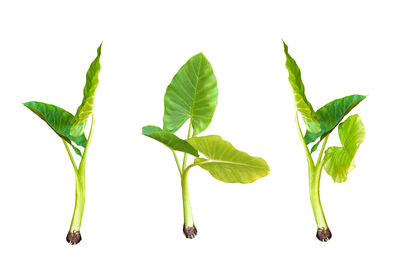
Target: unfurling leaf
[331, 114]
[339, 160]
[86, 108]
[226, 163]
[59, 120]
[302, 104]
[169, 139]
[193, 94]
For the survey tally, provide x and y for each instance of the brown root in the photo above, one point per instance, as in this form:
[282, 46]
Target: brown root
[324, 234]
[190, 232]
[74, 237]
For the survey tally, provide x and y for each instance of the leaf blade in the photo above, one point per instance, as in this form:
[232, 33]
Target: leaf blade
[339, 160]
[193, 94]
[168, 139]
[227, 164]
[302, 104]
[331, 114]
[58, 119]
[86, 108]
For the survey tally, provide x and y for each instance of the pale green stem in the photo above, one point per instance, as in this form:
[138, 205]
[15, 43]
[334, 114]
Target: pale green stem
[177, 162]
[80, 187]
[187, 208]
[314, 182]
[188, 136]
[70, 156]
[310, 161]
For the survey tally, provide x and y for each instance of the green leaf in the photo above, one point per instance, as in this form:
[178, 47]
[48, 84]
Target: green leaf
[302, 104]
[192, 93]
[86, 108]
[331, 114]
[226, 163]
[168, 139]
[59, 120]
[339, 160]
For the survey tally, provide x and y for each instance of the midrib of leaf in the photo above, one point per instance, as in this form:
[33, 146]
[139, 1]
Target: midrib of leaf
[195, 90]
[226, 162]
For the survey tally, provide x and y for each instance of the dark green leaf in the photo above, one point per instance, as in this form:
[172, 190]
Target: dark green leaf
[168, 139]
[331, 114]
[193, 94]
[89, 92]
[58, 119]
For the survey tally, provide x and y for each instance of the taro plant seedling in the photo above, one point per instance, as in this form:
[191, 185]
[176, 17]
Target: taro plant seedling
[192, 95]
[337, 161]
[71, 130]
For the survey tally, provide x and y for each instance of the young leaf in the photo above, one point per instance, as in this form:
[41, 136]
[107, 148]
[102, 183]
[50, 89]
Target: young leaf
[168, 139]
[302, 104]
[59, 120]
[226, 163]
[330, 115]
[339, 160]
[86, 108]
[193, 94]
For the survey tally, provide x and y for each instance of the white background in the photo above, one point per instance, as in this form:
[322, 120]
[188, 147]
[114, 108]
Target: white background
[133, 216]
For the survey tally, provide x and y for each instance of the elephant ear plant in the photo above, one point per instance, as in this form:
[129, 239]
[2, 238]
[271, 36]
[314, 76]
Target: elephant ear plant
[71, 130]
[192, 94]
[337, 161]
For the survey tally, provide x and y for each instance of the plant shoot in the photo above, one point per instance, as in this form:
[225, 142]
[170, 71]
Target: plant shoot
[192, 95]
[337, 161]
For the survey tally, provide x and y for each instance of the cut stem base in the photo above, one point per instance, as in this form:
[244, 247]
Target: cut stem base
[190, 232]
[74, 237]
[324, 234]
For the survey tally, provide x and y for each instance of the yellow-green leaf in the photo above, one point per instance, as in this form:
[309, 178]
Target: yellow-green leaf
[226, 163]
[302, 104]
[86, 108]
[339, 160]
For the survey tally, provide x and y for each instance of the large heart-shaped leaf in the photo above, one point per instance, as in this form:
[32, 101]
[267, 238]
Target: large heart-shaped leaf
[86, 108]
[169, 139]
[331, 114]
[339, 160]
[192, 93]
[226, 163]
[302, 104]
[59, 120]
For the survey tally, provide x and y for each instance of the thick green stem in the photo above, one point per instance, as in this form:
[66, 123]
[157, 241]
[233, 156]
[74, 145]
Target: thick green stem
[80, 187]
[187, 208]
[314, 181]
[314, 175]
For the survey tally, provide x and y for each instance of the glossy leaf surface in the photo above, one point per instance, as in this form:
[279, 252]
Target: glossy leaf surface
[331, 114]
[226, 163]
[192, 93]
[59, 120]
[169, 139]
[86, 108]
[302, 104]
[339, 160]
